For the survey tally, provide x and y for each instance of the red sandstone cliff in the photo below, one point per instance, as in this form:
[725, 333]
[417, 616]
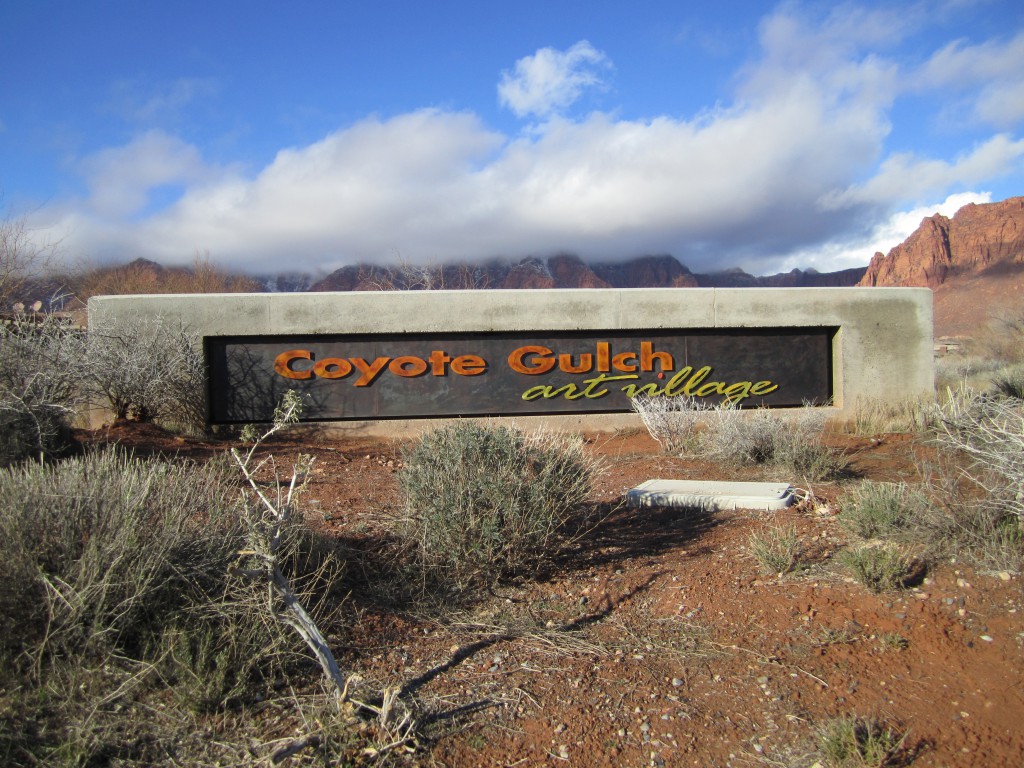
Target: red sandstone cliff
[974, 263]
[978, 239]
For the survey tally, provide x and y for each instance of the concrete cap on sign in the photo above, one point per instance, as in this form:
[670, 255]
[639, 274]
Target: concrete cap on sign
[711, 495]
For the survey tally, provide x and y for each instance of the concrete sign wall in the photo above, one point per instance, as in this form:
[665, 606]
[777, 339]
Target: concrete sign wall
[575, 356]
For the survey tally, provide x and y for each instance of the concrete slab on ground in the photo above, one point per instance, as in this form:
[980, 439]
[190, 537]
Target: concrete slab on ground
[711, 495]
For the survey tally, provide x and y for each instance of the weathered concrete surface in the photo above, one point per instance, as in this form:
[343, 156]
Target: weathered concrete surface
[883, 349]
[710, 495]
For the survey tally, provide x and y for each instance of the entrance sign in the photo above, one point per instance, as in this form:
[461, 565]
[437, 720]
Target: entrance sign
[501, 374]
[386, 363]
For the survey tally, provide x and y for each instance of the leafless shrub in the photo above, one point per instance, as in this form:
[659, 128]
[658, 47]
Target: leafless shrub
[673, 421]
[977, 480]
[23, 255]
[148, 369]
[1002, 339]
[268, 515]
[792, 439]
[41, 360]
[142, 276]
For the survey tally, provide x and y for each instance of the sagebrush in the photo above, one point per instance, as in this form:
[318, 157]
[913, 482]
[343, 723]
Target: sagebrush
[117, 586]
[792, 439]
[874, 509]
[484, 502]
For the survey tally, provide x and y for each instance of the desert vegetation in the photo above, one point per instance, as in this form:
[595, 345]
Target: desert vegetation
[461, 593]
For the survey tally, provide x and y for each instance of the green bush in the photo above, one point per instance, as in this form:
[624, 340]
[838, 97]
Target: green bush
[853, 742]
[878, 567]
[118, 584]
[874, 509]
[775, 550]
[482, 503]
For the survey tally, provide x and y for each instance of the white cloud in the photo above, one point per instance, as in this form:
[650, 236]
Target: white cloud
[121, 179]
[794, 168]
[846, 253]
[550, 81]
[990, 73]
[906, 177]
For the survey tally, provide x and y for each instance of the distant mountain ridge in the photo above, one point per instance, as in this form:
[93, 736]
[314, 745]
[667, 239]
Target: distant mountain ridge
[569, 271]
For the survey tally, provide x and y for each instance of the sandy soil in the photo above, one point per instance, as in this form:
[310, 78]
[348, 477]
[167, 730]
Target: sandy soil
[656, 640]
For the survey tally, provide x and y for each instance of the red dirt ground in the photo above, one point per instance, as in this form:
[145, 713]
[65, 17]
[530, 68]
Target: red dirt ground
[657, 641]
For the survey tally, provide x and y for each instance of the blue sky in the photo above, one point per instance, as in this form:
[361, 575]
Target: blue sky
[306, 135]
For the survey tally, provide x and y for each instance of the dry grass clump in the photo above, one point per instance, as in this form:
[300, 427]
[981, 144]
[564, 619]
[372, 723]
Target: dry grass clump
[880, 566]
[910, 415]
[775, 550]
[873, 510]
[854, 742]
[482, 503]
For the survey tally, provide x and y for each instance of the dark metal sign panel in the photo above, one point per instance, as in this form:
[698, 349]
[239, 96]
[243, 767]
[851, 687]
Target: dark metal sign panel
[433, 375]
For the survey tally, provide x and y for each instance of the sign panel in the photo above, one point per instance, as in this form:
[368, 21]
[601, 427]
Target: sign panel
[497, 374]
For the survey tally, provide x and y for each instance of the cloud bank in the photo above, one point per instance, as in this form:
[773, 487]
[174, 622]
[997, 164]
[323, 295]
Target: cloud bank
[794, 166]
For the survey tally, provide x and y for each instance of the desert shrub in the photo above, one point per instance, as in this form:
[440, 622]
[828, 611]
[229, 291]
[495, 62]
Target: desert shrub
[40, 363]
[483, 502]
[872, 509]
[853, 742]
[879, 567]
[978, 477]
[100, 547]
[1009, 382]
[792, 439]
[1002, 338]
[148, 369]
[775, 550]
[118, 584]
[673, 421]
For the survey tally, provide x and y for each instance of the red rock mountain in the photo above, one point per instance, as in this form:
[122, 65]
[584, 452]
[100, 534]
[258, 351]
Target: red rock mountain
[569, 271]
[974, 263]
